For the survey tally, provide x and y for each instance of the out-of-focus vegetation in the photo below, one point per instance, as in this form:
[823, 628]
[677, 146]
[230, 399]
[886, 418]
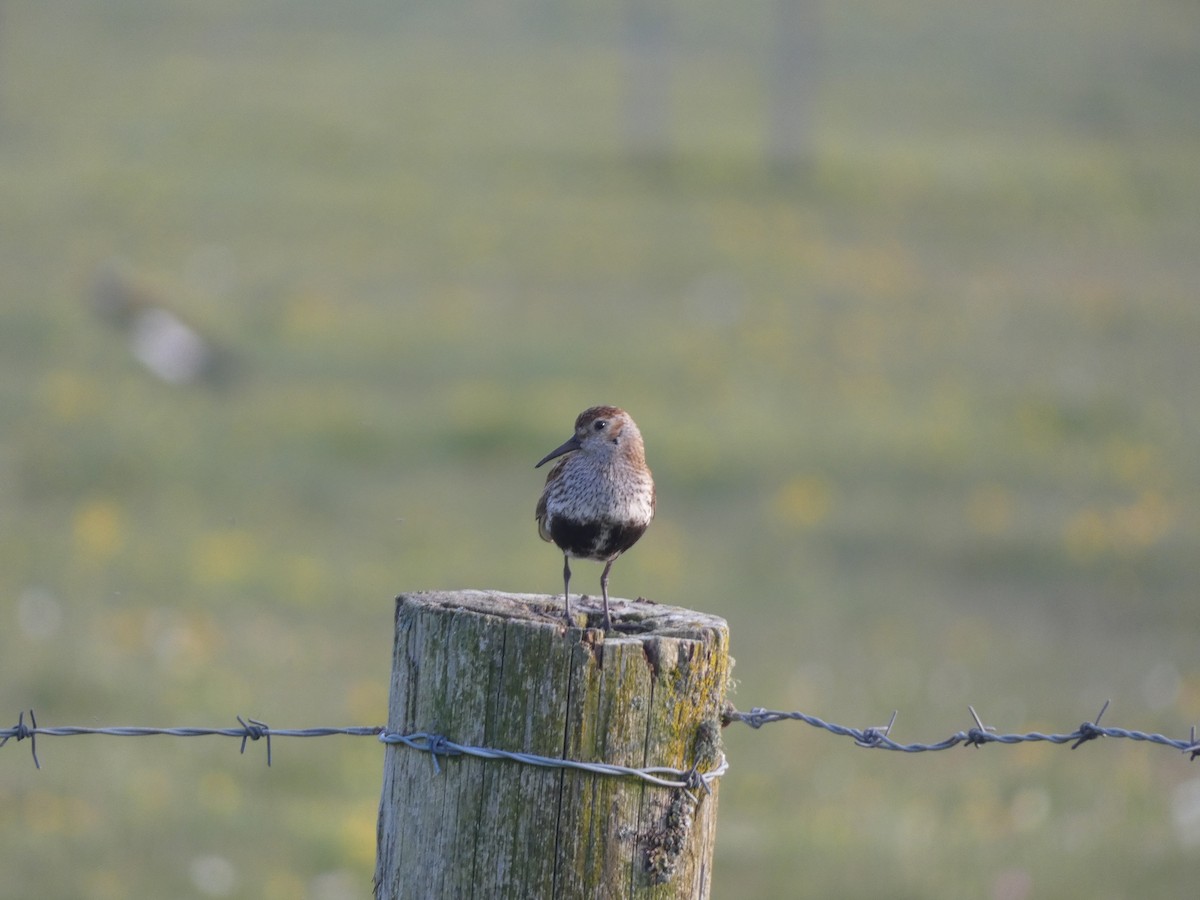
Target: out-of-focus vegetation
[922, 408]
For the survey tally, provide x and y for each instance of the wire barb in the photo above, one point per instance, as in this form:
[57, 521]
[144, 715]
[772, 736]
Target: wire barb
[981, 734]
[1193, 748]
[254, 730]
[874, 736]
[1089, 731]
[21, 731]
[438, 745]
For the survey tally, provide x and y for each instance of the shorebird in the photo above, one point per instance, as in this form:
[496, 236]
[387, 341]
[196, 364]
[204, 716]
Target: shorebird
[599, 498]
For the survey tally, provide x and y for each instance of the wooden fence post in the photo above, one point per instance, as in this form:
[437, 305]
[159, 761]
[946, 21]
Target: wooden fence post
[495, 670]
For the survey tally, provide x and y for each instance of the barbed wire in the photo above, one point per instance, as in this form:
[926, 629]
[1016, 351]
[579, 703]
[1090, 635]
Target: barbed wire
[436, 745]
[879, 737]
[690, 780]
[250, 730]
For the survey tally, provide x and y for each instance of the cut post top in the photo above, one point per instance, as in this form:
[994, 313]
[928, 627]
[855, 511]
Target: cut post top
[631, 618]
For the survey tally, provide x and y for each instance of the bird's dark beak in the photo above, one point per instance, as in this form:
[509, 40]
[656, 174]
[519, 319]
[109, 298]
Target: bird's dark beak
[572, 444]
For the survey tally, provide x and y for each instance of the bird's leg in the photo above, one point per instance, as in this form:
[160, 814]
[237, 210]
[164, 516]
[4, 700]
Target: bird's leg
[567, 588]
[604, 590]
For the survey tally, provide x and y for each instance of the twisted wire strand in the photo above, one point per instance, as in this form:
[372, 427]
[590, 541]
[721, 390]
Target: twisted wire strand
[690, 780]
[879, 737]
[664, 776]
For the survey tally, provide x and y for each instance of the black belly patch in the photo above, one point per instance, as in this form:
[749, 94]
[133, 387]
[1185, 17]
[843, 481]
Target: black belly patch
[600, 540]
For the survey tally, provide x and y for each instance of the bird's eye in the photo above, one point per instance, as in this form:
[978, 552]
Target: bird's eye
[599, 424]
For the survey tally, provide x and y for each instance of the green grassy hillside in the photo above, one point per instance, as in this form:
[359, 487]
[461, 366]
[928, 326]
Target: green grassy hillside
[921, 407]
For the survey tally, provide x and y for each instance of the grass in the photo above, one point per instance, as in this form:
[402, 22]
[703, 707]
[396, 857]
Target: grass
[921, 412]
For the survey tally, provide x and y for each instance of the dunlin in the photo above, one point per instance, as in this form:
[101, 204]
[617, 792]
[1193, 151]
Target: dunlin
[599, 498]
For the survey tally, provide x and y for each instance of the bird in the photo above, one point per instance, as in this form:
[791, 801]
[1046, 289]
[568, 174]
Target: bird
[599, 497]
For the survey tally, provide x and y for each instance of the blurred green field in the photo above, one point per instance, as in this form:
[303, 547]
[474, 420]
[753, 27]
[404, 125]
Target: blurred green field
[921, 408]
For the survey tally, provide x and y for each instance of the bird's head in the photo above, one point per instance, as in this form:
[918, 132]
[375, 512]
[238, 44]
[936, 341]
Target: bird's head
[602, 432]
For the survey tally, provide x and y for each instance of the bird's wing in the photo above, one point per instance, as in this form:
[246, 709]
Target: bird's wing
[540, 515]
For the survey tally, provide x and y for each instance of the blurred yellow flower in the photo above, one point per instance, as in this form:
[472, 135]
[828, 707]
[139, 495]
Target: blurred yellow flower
[1086, 535]
[48, 813]
[152, 792]
[67, 395]
[804, 501]
[1189, 692]
[306, 577]
[44, 813]
[1122, 530]
[181, 641]
[1142, 523]
[367, 700]
[666, 562]
[220, 557]
[283, 886]
[123, 630]
[106, 884]
[220, 793]
[98, 529]
[310, 315]
[358, 836]
[1132, 461]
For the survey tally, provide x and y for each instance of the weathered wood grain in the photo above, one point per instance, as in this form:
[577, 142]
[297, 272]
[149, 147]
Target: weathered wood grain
[502, 671]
